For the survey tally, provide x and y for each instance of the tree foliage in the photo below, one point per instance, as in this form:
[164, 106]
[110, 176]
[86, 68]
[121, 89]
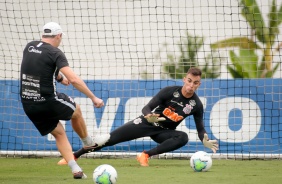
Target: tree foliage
[189, 47]
[247, 64]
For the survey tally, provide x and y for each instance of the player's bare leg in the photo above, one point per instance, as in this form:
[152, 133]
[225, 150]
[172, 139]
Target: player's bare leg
[78, 123]
[80, 128]
[65, 149]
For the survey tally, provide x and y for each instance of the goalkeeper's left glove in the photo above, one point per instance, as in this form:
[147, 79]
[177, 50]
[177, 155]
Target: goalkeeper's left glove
[154, 118]
[212, 144]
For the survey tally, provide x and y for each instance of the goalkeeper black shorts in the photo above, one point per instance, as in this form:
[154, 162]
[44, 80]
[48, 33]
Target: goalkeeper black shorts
[46, 115]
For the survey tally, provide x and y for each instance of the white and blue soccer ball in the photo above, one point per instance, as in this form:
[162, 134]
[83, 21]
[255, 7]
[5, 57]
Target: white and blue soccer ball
[201, 161]
[105, 174]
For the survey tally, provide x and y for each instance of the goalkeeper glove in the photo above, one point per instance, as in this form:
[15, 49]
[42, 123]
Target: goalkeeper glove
[212, 144]
[154, 118]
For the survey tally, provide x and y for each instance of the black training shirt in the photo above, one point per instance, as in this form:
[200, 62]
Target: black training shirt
[171, 104]
[40, 66]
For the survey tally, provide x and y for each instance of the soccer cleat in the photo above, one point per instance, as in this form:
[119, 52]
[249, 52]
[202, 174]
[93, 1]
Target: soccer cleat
[79, 175]
[143, 159]
[64, 162]
[98, 140]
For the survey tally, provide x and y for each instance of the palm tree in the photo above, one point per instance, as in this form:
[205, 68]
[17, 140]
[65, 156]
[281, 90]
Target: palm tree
[247, 64]
[176, 68]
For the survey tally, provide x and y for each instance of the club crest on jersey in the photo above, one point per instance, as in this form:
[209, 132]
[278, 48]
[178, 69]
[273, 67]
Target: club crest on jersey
[187, 109]
[176, 94]
[192, 102]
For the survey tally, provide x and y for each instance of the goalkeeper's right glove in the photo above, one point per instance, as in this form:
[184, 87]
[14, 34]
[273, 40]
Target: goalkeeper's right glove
[154, 118]
[212, 144]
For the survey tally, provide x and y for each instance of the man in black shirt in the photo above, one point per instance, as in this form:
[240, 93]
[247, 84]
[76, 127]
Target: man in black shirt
[43, 63]
[164, 112]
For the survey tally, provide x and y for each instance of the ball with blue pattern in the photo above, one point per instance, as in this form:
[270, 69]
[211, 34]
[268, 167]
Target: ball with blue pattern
[105, 174]
[201, 161]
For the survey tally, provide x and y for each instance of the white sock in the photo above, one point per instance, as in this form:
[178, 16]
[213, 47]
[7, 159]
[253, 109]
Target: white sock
[87, 141]
[74, 167]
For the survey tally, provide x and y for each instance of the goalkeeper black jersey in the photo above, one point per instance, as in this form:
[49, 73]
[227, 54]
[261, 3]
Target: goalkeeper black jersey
[171, 104]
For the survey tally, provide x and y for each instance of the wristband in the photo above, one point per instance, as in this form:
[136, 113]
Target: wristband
[61, 79]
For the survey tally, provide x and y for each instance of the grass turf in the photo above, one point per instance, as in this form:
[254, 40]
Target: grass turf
[165, 171]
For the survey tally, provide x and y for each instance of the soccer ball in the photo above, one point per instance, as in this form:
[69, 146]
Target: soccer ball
[200, 161]
[105, 174]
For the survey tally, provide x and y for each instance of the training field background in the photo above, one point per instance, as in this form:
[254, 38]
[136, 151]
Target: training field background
[165, 171]
[126, 51]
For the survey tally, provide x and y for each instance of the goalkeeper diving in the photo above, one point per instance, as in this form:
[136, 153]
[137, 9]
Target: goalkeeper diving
[159, 119]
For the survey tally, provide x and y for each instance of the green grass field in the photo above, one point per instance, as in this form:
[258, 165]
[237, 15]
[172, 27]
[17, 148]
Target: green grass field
[161, 171]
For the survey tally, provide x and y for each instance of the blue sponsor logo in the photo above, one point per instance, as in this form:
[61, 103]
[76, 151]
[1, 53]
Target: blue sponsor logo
[243, 115]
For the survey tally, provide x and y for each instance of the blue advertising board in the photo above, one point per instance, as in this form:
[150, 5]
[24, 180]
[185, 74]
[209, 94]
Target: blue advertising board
[243, 115]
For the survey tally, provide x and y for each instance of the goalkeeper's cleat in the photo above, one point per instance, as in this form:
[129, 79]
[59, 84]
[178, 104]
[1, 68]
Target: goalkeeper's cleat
[98, 141]
[79, 175]
[64, 162]
[143, 159]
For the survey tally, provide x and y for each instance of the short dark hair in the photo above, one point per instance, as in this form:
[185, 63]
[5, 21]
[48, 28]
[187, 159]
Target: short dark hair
[195, 71]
